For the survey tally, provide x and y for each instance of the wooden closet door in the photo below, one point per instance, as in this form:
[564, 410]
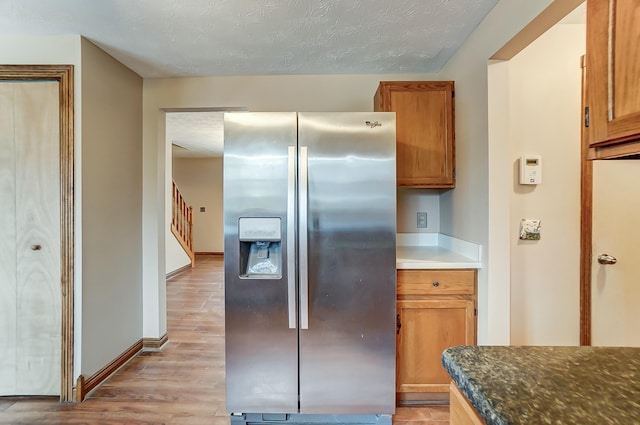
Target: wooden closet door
[615, 293]
[35, 235]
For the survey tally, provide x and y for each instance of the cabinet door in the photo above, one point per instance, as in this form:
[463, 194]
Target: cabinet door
[427, 328]
[424, 131]
[613, 67]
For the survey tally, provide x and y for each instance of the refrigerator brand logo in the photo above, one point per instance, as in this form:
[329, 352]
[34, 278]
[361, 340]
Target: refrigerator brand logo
[373, 124]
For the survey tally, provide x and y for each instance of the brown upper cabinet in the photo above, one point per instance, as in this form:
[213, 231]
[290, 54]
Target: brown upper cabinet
[425, 147]
[613, 78]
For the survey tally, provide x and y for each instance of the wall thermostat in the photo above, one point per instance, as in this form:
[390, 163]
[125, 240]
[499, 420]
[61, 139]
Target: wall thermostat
[530, 169]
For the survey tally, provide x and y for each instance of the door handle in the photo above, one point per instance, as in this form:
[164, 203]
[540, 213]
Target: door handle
[303, 248]
[607, 259]
[291, 236]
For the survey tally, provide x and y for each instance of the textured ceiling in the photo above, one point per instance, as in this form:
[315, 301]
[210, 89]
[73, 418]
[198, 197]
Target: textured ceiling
[179, 38]
[195, 134]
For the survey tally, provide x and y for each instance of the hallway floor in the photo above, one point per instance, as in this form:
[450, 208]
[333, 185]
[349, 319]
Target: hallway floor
[183, 384]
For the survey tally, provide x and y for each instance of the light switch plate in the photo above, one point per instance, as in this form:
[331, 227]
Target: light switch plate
[530, 229]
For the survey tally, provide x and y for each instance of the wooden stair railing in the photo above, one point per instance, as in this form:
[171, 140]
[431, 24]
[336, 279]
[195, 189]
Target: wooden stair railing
[182, 223]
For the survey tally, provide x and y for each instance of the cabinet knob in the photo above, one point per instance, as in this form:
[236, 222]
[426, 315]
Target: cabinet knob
[436, 284]
[36, 247]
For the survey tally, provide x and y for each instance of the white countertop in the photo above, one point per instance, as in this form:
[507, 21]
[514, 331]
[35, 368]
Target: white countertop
[436, 251]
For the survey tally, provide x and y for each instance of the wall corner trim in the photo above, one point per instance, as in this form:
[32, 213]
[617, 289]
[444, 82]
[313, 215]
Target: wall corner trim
[155, 344]
[85, 385]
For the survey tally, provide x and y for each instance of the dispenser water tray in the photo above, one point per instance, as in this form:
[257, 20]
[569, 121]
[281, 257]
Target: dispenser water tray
[264, 260]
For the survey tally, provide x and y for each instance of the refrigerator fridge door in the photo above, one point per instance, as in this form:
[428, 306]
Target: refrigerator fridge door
[261, 341]
[347, 262]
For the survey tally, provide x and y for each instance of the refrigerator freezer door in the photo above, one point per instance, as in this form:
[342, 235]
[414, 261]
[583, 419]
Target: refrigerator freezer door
[347, 354]
[261, 348]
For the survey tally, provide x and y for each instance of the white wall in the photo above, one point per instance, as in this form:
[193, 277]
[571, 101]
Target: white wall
[545, 90]
[176, 257]
[112, 208]
[257, 93]
[410, 202]
[200, 181]
[496, 279]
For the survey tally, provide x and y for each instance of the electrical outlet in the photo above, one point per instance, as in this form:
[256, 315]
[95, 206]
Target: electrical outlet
[422, 220]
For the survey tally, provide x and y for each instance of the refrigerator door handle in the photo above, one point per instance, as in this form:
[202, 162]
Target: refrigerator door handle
[291, 237]
[303, 247]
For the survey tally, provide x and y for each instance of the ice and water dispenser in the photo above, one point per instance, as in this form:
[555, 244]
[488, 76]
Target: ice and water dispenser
[260, 247]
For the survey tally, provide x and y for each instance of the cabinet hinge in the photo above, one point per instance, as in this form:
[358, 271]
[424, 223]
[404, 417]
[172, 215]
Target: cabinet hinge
[398, 324]
[586, 116]
[454, 173]
[475, 311]
[453, 93]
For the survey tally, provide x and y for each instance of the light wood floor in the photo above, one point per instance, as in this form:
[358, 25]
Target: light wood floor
[183, 384]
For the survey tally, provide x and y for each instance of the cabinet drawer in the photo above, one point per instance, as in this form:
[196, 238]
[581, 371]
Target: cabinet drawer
[436, 282]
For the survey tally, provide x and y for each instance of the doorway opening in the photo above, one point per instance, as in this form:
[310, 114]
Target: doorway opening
[534, 109]
[194, 139]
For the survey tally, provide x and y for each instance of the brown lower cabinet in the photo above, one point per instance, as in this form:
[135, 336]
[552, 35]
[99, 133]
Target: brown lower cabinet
[436, 309]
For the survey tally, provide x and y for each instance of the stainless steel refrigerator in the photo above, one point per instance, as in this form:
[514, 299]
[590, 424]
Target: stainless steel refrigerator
[309, 252]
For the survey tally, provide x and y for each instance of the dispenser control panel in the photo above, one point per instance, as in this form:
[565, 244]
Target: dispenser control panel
[259, 229]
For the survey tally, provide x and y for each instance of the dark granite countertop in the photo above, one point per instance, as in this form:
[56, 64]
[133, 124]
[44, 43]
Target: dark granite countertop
[548, 385]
